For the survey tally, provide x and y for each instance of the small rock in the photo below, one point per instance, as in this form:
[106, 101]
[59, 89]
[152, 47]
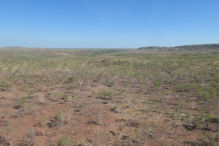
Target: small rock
[133, 123]
[56, 123]
[92, 122]
[113, 133]
[17, 106]
[189, 126]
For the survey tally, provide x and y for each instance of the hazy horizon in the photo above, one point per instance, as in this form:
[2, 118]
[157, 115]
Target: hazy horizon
[101, 47]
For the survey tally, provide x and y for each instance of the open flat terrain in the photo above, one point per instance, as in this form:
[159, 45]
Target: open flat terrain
[109, 97]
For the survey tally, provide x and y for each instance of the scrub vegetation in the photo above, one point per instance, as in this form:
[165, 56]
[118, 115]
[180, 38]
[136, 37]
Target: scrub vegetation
[109, 97]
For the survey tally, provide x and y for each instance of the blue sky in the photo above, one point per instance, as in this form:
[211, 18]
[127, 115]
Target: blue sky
[108, 23]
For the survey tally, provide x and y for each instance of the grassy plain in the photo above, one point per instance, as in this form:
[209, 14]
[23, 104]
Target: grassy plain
[109, 97]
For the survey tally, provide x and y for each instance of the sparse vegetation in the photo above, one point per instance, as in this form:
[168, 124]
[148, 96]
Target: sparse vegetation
[64, 141]
[1, 104]
[23, 101]
[106, 94]
[110, 97]
[59, 116]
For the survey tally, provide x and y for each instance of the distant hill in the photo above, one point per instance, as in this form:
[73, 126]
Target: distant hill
[34, 48]
[186, 47]
[12, 47]
[18, 48]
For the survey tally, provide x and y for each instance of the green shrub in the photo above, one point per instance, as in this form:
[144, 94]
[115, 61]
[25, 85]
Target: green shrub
[23, 101]
[67, 97]
[71, 79]
[106, 94]
[1, 103]
[63, 141]
[208, 92]
[59, 116]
